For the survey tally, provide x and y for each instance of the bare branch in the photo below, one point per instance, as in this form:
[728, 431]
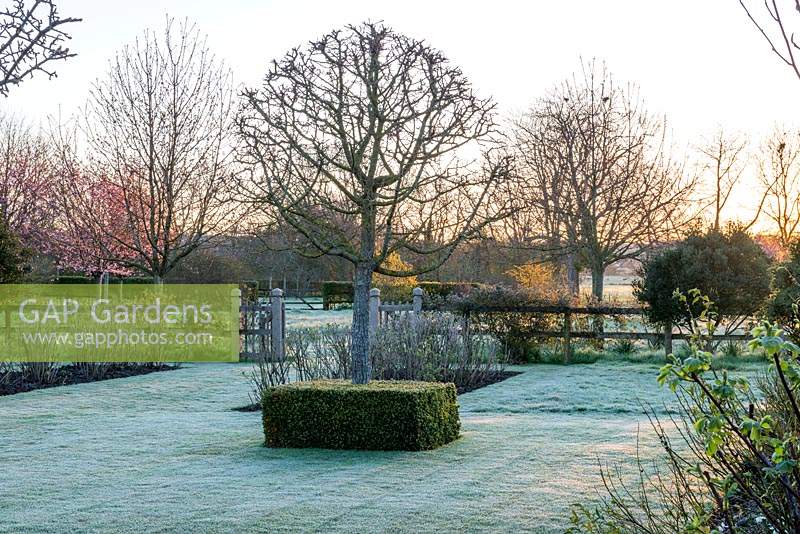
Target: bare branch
[32, 36]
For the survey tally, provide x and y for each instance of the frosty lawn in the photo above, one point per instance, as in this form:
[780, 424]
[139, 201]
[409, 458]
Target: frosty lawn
[165, 452]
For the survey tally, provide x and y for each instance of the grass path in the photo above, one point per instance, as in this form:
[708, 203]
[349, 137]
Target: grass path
[164, 452]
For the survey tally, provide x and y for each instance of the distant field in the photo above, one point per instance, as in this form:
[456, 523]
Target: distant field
[615, 287]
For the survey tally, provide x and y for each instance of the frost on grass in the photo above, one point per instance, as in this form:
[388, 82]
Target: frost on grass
[165, 451]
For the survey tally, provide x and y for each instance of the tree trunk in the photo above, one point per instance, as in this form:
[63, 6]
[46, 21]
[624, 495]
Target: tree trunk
[573, 280]
[360, 342]
[598, 271]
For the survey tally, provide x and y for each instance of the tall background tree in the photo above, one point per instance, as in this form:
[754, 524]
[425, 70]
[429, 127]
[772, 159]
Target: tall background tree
[13, 256]
[159, 131]
[362, 142]
[598, 181]
[32, 38]
[28, 196]
[724, 161]
[779, 174]
[546, 223]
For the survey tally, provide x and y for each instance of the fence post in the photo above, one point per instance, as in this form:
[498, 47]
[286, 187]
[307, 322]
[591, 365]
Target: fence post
[104, 285]
[374, 309]
[236, 310]
[417, 300]
[276, 324]
[567, 336]
[668, 338]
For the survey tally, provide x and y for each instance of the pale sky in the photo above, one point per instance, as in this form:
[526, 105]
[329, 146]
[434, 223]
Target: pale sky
[700, 62]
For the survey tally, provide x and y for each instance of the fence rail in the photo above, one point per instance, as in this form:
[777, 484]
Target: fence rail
[554, 309]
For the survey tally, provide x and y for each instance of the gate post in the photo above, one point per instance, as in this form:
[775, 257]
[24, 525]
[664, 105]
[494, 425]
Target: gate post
[668, 338]
[276, 324]
[374, 309]
[417, 300]
[236, 311]
[567, 335]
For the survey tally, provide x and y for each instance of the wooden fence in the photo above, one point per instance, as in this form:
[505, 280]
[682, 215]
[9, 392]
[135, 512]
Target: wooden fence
[382, 312]
[567, 333]
[262, 328]
[263, 325]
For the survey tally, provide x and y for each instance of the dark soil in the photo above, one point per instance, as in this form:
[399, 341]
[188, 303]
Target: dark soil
[249, 408]
[16, 381]
[493, 379]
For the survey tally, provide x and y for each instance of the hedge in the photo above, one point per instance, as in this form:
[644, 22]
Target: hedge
[142, 280]
[334, 292]
[382, 415]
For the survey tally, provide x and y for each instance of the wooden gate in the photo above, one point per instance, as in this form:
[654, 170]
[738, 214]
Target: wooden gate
[262, 329]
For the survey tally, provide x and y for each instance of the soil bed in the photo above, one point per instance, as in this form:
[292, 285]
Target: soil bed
[16, 381]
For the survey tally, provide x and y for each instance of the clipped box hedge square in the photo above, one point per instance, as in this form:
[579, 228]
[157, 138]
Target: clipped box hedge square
[382, 415]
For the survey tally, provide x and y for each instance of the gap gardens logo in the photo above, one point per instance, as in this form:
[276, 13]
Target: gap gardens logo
[131, 323]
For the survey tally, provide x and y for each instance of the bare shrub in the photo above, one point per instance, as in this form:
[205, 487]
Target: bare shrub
[6, 374]
[430, 347]
[320, 353]
[265, 374]
[435, 347]
[311, 354]
[515, 331]
[94, 370]
[44, 373]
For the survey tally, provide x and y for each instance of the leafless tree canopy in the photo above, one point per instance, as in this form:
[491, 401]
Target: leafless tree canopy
[724, 161]
[158, 128]
[32, 37]
[366, 124]
[598, 181]
[363, 142]
[779, 173]
[27, 195]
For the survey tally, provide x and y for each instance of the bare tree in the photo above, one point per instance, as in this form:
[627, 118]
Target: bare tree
[779, 172]
[725, 160]
[28, 202]
[781, 38]
[598, 177]
[159, 129]
[32, 36]
[359, 142]
[546, 223]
